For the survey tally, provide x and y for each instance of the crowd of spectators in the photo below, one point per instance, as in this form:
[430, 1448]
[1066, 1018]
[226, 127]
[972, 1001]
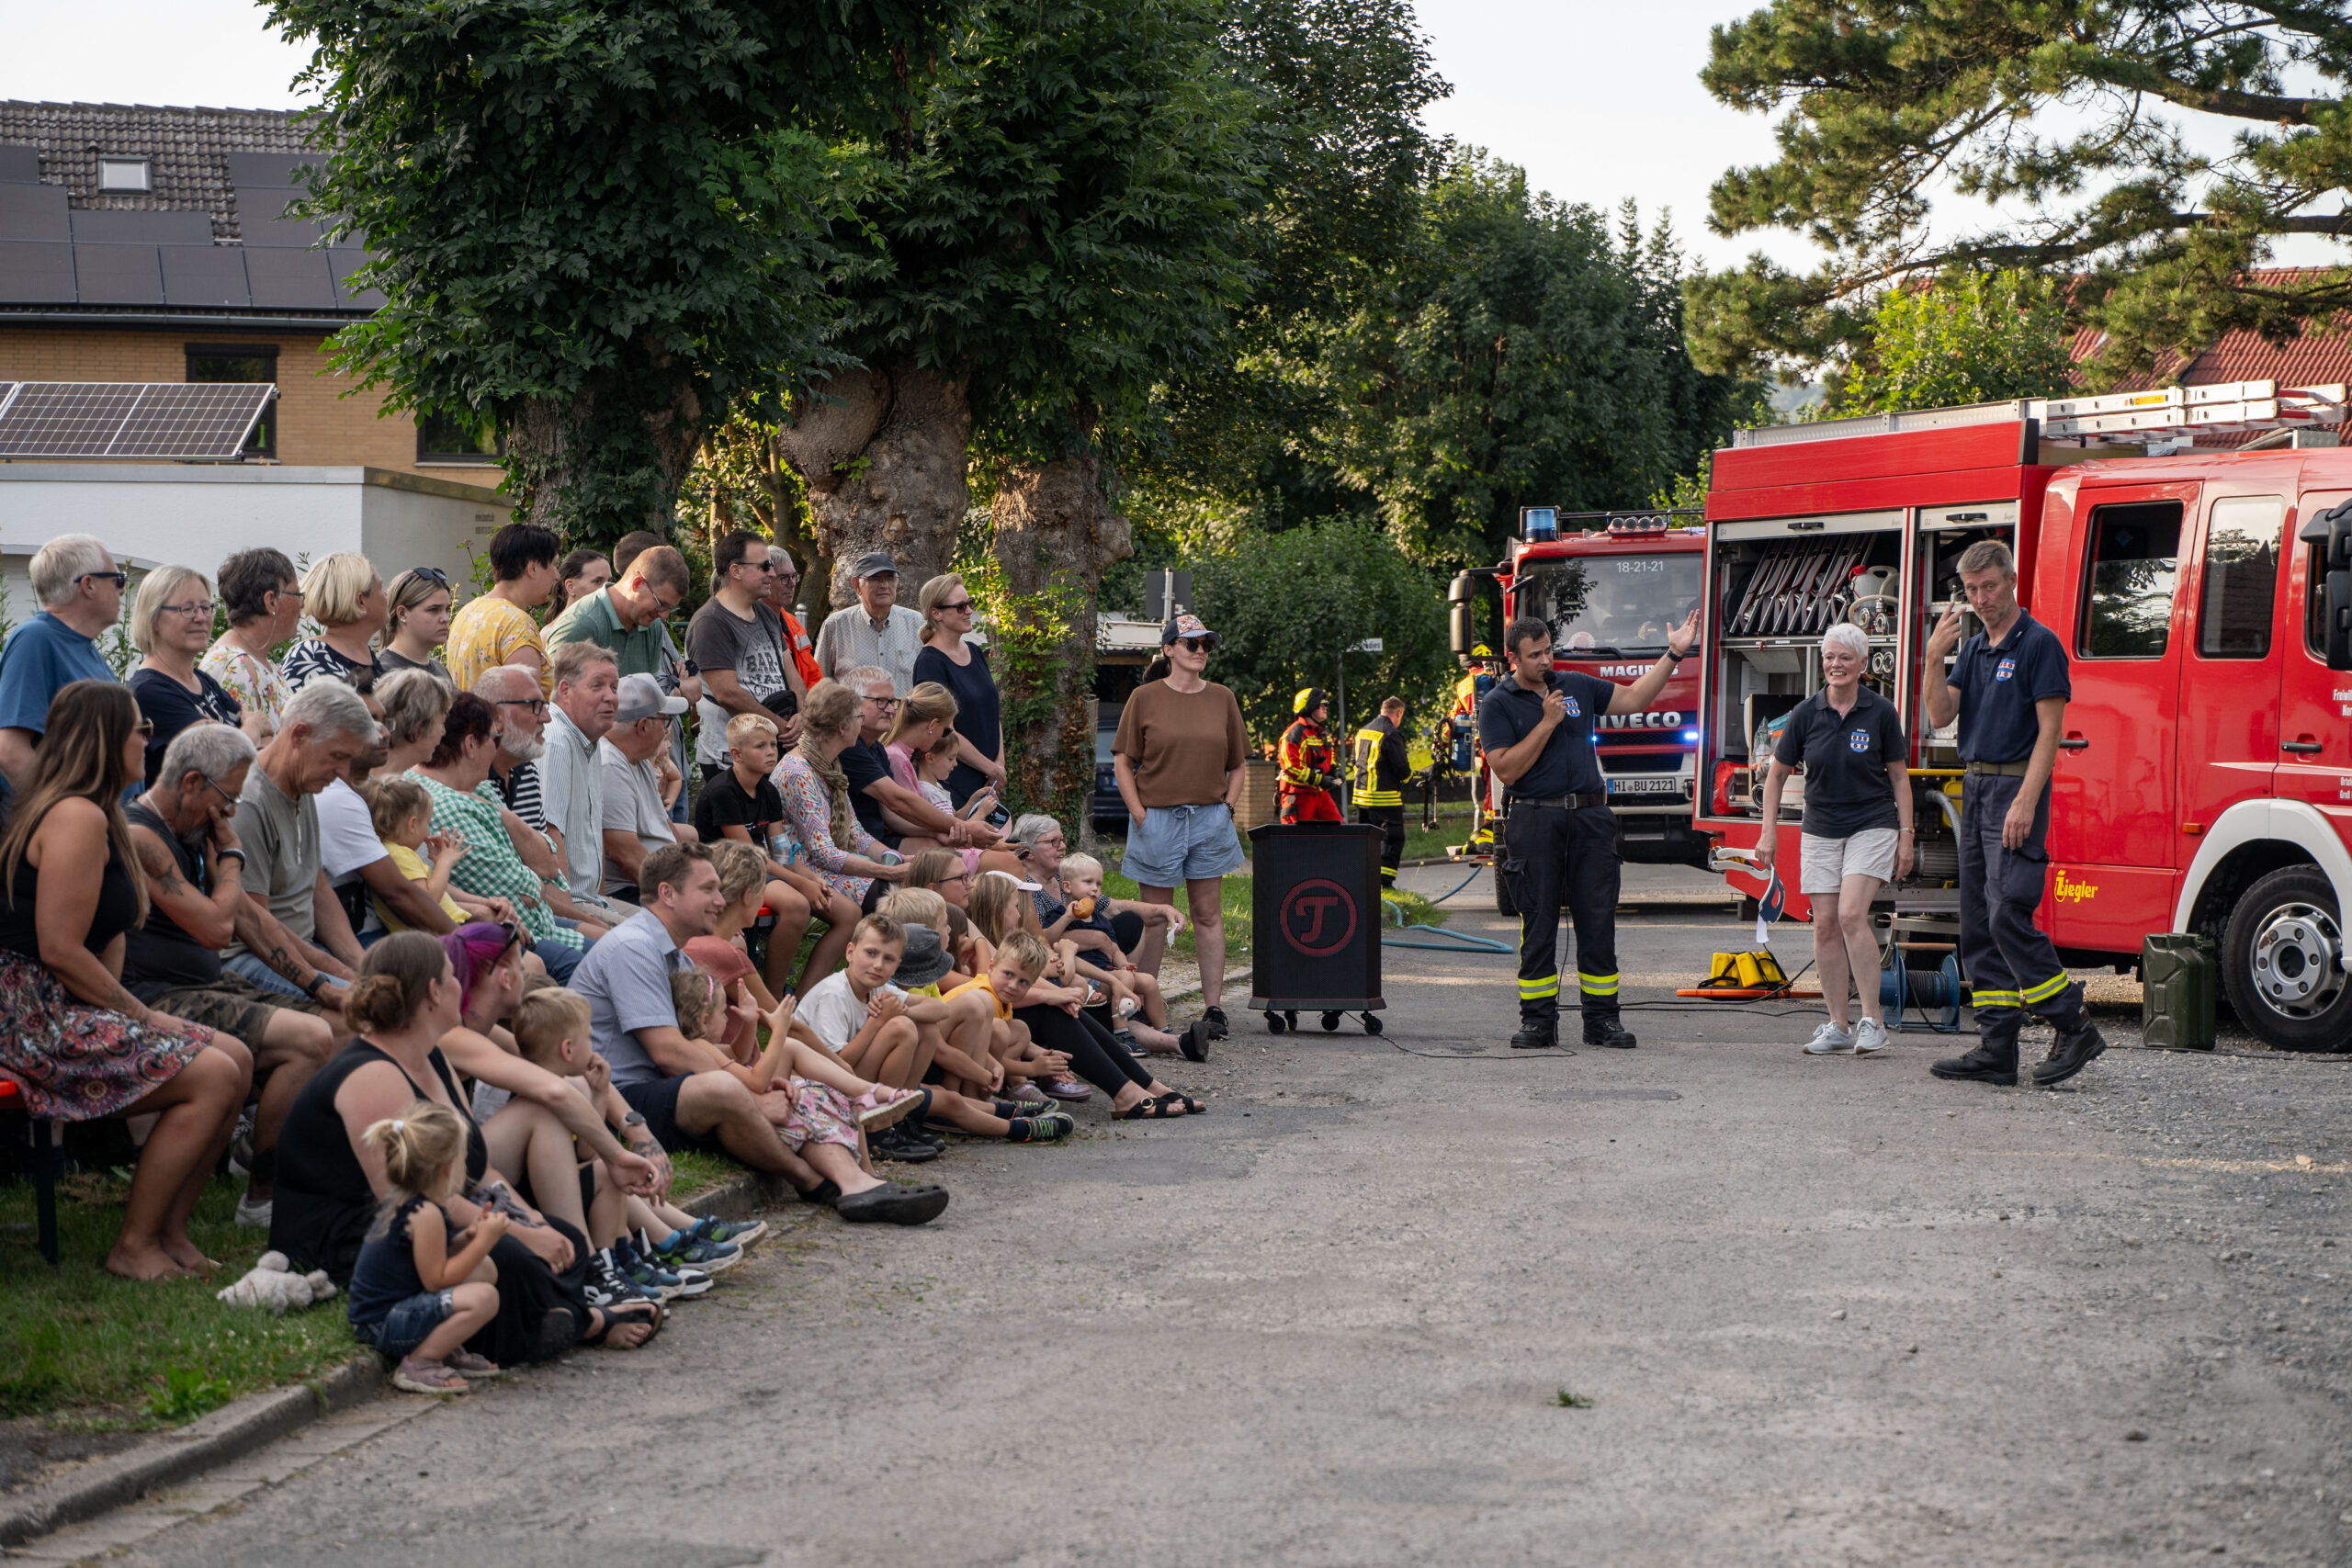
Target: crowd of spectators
[406, 908]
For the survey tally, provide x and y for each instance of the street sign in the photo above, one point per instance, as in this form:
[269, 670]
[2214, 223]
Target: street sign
[1368, 645]
[1166, 594]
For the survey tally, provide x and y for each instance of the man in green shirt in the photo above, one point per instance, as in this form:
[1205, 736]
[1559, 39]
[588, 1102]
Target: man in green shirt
[624, 616]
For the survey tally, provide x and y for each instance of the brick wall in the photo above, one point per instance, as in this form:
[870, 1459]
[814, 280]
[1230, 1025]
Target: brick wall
[316, 423]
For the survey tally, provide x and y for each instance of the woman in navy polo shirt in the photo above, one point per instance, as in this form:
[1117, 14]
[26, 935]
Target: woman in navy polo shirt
[1857, 835]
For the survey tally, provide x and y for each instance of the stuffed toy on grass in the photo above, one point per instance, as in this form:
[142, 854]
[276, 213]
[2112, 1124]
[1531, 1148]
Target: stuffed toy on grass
[272, 1284]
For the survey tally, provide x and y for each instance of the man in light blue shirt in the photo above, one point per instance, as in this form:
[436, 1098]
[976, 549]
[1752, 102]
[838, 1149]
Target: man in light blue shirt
[80, 590]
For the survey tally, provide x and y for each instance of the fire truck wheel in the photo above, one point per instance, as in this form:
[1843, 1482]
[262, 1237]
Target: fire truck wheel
[2281, 962]
[1504, 905]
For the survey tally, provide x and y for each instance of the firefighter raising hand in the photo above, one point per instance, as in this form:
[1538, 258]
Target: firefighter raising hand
[1680, 640]
[1946, 636]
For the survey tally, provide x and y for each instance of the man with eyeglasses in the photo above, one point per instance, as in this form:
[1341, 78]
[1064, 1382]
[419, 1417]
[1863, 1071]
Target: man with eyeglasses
[624, 616]
[800, 666]
[737, 644]
[880, 631]
[80, 590]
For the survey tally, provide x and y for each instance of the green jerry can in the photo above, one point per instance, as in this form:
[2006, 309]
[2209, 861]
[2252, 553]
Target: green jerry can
[2179, 975]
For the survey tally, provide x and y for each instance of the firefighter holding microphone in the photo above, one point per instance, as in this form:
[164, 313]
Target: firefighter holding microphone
[1559, 840]
[2009, 688]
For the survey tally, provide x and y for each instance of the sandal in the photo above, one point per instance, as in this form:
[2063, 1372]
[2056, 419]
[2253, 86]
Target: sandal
[1148, 1110]
[620, 1313]
[1191, 1107]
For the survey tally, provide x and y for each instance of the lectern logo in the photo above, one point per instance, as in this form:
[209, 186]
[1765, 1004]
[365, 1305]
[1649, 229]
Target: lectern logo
[1318, 917]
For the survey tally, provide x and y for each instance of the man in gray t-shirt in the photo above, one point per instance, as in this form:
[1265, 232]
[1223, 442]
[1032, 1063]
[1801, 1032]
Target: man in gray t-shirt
[737, 644]
[306, 947]
[682, 1088]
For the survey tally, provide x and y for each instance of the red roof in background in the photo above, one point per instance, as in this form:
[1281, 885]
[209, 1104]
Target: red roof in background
[2313, 359]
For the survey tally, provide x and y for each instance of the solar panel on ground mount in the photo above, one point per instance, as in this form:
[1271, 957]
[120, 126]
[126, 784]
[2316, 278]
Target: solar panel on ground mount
[131, 419]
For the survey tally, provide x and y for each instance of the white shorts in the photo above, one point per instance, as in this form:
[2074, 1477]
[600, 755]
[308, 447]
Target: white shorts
[1828, 861]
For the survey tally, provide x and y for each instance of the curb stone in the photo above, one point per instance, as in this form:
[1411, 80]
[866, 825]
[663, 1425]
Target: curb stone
[229, 1433]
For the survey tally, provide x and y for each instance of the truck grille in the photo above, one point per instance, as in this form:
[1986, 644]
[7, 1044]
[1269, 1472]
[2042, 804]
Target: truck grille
[1612, 761]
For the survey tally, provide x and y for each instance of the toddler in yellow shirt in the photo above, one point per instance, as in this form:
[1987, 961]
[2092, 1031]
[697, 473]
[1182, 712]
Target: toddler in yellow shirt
[402, 814]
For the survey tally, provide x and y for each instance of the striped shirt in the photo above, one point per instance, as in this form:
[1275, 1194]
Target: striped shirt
[848, 640]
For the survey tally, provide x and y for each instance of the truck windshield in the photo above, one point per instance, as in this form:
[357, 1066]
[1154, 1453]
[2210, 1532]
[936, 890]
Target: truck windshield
[1611, 603]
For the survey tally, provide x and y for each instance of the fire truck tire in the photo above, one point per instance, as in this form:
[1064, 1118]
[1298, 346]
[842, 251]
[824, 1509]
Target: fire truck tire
[2280, 962]
[1504, 905]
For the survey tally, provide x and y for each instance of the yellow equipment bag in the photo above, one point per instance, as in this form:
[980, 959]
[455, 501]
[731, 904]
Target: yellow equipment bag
[1743, 975]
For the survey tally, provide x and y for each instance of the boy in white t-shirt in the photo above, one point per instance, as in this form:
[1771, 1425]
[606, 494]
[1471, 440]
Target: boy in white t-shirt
[883, 1033]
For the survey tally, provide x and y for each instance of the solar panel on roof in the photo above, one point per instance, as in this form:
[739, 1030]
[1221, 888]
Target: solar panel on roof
[290, 280]
[33, 212]
[205, 275]
[131, 419]
[117, 275]
[34, 272]
[97, 225]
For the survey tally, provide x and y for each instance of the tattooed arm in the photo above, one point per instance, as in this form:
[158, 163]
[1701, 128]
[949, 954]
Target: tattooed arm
[270, 941]
[209, 920]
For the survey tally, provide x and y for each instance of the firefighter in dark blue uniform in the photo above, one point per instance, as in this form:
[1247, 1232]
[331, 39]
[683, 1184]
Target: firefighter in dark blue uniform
[1559, 842]
[2009, 688]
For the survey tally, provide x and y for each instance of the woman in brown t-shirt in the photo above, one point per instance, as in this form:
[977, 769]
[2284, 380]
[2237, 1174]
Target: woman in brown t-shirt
[1178, 758]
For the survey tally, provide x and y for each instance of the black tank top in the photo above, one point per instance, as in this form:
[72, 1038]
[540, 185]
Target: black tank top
[324, 1204]
[161, 954]
[118, 907]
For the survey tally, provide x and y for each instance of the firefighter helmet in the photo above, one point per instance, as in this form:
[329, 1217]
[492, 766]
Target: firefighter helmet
[1309, 698]
[1482, 651]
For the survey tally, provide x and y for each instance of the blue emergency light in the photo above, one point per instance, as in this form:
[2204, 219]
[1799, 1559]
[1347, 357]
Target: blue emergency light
[1539, 524]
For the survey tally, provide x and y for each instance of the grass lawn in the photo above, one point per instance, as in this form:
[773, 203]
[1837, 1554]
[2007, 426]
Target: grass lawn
[1428, 843]
[82, 1346]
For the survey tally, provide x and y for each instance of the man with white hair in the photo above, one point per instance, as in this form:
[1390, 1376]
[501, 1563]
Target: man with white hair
[309, 950]
[80, 590]
[184, 832]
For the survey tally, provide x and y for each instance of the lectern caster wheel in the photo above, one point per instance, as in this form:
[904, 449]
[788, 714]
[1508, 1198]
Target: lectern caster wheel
[1291, 1019]
[1274, 1024]
[1371, 1023]
[1330, 1022]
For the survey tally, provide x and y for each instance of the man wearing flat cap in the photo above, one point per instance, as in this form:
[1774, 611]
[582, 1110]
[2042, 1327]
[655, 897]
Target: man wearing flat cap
[880, 631]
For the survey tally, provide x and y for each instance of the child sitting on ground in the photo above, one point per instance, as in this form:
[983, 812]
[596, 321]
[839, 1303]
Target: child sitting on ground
[412, 1298]
[884, 1034]
[1135, 997]
[402, 814]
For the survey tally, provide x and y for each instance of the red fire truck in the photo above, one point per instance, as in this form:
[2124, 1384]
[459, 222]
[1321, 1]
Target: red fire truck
[1609, 583]
[2204, 782]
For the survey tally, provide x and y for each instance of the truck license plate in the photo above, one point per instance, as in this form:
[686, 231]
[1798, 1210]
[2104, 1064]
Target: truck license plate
[1645, 783]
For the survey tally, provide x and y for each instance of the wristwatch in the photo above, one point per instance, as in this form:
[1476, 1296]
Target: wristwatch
[1678, 658]
[634, 1119]
[318, 978]
[224, 854]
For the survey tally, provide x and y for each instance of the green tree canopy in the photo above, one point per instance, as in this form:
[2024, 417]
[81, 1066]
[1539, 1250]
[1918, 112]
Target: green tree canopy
[1286, 605]
[597, 224]
[1971, 338]
[2074, 111]
[1518, 353]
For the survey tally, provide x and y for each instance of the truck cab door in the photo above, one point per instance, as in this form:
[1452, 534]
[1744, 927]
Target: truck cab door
[2228, 720]
[2314, 701]
[2117, 608]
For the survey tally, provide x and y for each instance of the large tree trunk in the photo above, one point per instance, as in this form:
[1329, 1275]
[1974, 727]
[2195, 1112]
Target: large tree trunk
[593, 471]
[1056, 534]
[882, 453]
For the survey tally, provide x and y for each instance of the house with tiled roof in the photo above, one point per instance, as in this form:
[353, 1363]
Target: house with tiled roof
[152, 244]
[2321, 356]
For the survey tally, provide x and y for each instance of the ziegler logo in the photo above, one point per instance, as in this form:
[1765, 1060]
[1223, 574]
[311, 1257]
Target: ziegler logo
[1655, 719]
[2075, 891]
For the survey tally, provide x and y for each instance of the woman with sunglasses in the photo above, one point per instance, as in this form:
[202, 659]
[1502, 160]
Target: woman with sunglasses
[79, 1045]
[171, 623]
[419, 622]
[1178, 758]
[955, 664]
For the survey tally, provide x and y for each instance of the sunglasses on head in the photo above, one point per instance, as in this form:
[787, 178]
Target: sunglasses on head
[430, 574]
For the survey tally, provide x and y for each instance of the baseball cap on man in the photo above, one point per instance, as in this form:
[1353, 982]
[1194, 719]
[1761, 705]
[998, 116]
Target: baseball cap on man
[642, 697]
[873, 563]
[1184, 626]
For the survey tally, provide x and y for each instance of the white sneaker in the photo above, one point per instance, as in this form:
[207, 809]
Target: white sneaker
[1869, 1037]
[253, 1216]
[1829, 1041]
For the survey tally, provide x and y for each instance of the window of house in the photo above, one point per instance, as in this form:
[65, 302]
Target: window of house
[448, 438]
[241, 362]
[123, 174]
[2239, 595]
[2134, 563]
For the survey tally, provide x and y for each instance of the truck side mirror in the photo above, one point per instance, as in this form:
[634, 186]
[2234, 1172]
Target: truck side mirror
[1460, 598]
[2332, 532]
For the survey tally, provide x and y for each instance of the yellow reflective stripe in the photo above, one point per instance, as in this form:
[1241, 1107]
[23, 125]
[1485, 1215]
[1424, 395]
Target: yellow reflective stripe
[1993, 998]
[1379, 797]
[2048, 988]
[1597, 984]
[1536, 990]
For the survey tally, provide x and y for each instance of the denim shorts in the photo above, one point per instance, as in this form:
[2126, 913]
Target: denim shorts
[1178, 844]
[404, 1327]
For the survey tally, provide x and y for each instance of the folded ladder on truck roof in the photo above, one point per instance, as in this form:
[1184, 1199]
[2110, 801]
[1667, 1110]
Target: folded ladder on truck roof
[2154, 417]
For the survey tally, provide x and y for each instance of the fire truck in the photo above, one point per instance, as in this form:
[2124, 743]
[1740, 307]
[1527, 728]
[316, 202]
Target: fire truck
[1609, 584]
[2204, 779]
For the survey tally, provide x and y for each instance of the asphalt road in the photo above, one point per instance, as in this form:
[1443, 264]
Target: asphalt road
[1824, 1311]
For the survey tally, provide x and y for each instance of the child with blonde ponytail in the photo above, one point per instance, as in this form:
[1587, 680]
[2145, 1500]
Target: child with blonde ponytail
[412, 1297]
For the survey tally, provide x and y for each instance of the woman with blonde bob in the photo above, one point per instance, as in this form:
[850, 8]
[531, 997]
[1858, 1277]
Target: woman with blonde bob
[1857, 834]
[951, 661]
[343, 595]
[171, 624]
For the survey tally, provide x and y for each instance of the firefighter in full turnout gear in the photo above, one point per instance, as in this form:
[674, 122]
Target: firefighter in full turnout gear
[1381, 765]
[1559, 841]
[1310, 768]
[2009, 689]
